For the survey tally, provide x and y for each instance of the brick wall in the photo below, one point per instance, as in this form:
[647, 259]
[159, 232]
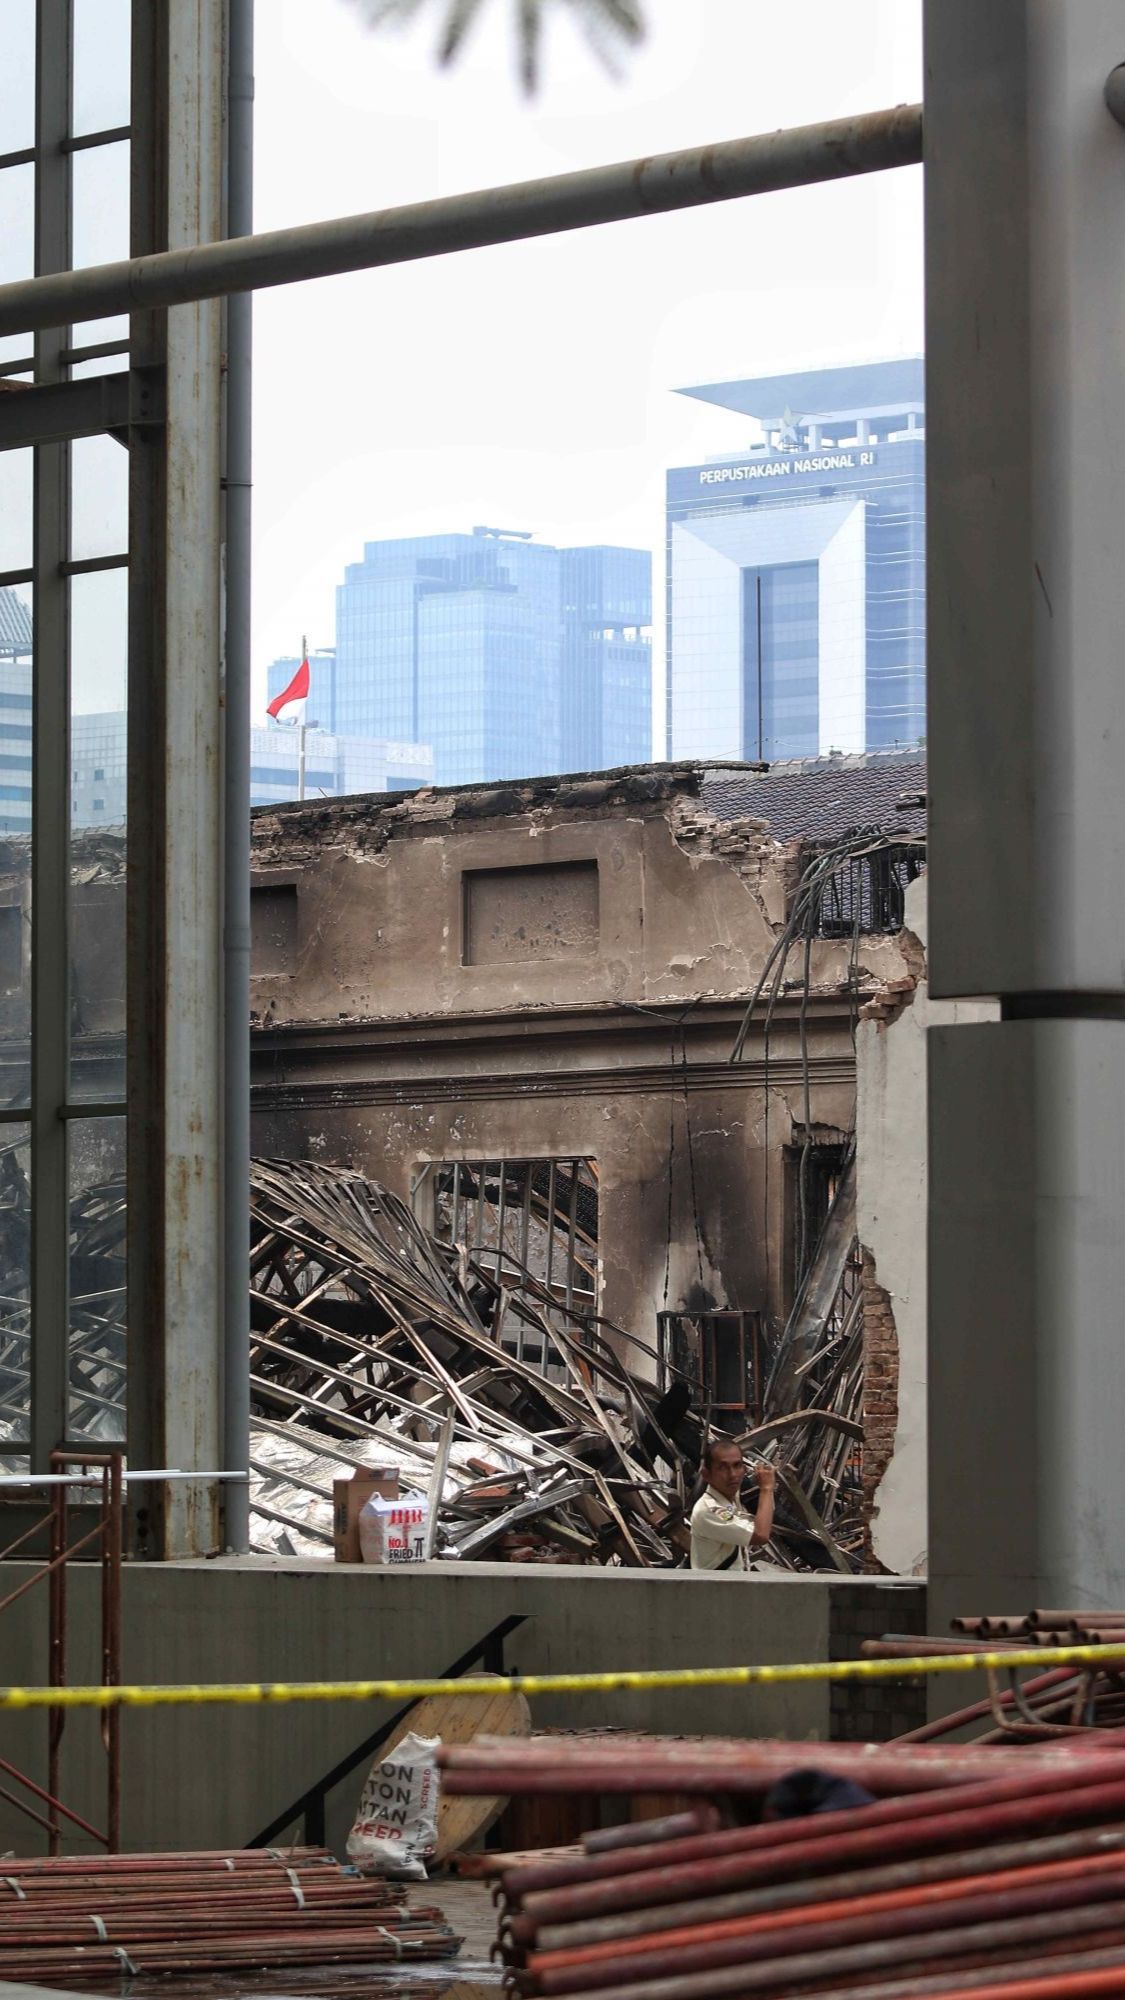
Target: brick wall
[880, 1391]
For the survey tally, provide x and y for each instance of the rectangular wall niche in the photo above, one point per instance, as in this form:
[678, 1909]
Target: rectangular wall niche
[542, 912]
[273, 928]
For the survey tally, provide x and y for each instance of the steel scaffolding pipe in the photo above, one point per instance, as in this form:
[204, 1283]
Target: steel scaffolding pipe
[799, 157]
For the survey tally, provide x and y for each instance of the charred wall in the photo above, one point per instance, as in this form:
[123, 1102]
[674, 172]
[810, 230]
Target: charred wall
[556, 970]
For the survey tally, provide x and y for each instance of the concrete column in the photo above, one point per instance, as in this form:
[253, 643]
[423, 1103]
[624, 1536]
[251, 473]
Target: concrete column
[175, 803]
[1025, 179]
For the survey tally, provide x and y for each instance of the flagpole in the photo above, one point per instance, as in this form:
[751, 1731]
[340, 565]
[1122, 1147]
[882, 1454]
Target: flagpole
[301, 735]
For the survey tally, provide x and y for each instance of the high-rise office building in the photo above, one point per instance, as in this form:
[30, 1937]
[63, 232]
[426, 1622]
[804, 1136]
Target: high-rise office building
[796, 570]
[606, 687]
[15, 713]
[510, 657]
[335, 766]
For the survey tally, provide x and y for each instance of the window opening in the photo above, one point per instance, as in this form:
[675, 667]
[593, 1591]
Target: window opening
[874, 887]
[521, 1218]
[720, 1355]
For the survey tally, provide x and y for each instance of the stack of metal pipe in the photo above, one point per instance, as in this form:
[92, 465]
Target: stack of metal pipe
[980, 1872]
[81, 1921]
[1047, 1628]
[1063, 1701]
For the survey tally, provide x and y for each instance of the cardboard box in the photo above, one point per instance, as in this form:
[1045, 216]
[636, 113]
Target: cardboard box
[349, 1496]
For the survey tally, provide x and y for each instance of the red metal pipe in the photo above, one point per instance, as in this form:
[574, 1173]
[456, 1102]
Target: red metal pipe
[816, 1968]
[646, 1832]
[772, 1839]
[892, 1646]
[22, 1806]
[870, 1881]
[711, 1776]
[36, 1528]
[897, 1913]
[822, 1852]
[948, 1985]
[977, 1710]
[718, 1765]
[1059, 1620]
[56, 1805]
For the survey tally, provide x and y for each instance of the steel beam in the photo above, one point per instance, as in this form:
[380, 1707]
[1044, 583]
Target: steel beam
[52, 412]
[622, 192]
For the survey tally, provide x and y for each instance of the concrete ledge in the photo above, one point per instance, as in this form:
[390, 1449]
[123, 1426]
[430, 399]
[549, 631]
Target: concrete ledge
[214, 1777]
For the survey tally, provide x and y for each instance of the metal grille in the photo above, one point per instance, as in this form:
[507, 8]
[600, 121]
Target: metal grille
[871, 887]
[520, 1216]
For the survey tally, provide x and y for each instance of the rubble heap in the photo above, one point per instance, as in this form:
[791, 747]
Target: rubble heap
[373, 1343]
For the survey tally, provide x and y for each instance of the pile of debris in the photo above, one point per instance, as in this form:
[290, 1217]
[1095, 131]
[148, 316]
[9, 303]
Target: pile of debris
[368, 1333]
[485, 1384]
[814, 1390]
[373, 1343]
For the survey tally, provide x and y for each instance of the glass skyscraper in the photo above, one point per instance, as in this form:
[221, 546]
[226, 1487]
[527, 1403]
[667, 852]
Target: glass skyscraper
[512, 658]
[15, 713]
[796, 571]
[335, 766]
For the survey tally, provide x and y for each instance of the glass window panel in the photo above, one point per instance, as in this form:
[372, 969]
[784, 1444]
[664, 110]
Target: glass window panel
[99, 629]
[96, 1401]
[106, 364]
[15, 845]
[17, 77]
[15, 1282]
[99, 498]
[100, 183]
[98, 748]
[101, 65]
[16, 469]
[17, 242]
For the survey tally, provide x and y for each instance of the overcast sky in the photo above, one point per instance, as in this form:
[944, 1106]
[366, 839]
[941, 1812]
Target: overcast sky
[530, 386]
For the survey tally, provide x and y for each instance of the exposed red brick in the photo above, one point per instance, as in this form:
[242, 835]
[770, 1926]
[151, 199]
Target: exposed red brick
[880, 1393]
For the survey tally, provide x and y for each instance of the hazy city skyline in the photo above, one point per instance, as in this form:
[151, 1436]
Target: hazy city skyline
[533, 385]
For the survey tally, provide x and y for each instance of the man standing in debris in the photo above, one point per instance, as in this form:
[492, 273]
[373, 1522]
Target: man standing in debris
[722, 1532]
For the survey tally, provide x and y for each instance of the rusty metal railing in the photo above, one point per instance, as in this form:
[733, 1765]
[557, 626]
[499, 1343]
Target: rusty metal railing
[106, 1533]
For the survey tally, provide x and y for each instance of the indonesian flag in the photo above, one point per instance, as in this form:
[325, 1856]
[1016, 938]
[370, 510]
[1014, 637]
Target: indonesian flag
[289, 705]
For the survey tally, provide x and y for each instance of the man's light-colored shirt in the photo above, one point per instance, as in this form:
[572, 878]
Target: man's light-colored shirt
[717, 1527]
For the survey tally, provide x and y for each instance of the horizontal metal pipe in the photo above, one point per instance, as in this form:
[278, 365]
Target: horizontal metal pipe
[822, 1853]
[623, 192]
[648, 1832]
[1073, 1973]
[891, 1647]
[852, 1882]
[816, 1967]
[1058, 1621]
[776, 1838]
[750, 1776]
[850, 1920]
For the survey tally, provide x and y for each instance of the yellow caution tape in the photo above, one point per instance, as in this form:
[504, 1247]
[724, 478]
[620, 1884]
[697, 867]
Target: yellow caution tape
[264, 1692]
